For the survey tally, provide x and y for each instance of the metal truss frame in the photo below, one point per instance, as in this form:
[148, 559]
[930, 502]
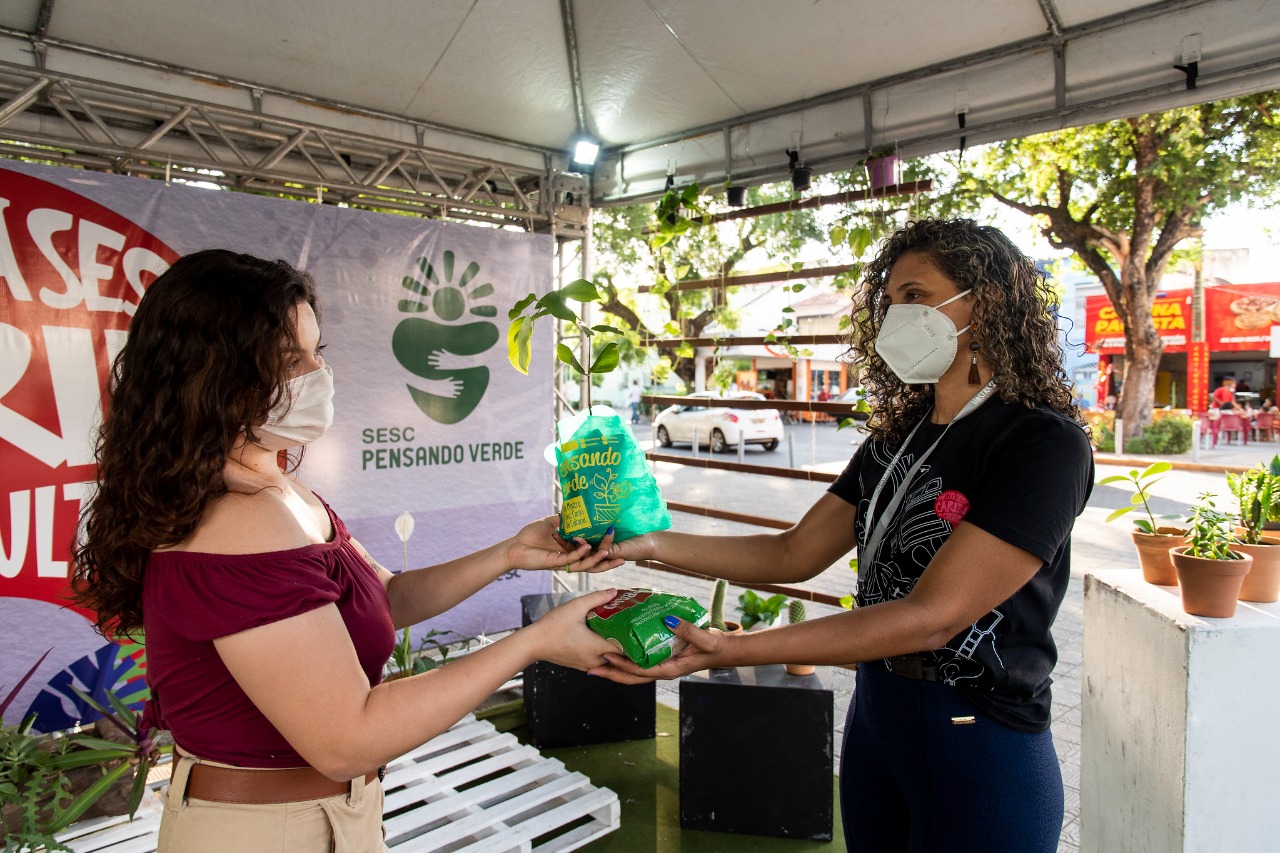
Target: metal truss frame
[54, 117]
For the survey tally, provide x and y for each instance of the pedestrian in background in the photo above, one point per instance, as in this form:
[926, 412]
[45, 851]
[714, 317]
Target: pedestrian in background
[633, 400]
[1226, 393]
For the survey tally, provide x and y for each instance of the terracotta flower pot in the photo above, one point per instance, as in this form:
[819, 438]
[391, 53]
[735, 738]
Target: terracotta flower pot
[1263, 581]
[1153, 554]
[1209, 587]
[801, 669]
[730, 627]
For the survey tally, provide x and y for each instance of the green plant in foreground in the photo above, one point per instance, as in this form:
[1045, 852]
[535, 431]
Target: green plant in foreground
[531, 308]
[1257, 492]
[1211, 535]
[795, 611]
[34, 768]
[861, 406]
[1142, 482]
[406, 661]
[756, 609]
[850, 601]
[717, 604]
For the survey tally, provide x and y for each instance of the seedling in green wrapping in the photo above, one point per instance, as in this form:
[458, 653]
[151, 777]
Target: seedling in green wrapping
[1142, 482]
[528, 310]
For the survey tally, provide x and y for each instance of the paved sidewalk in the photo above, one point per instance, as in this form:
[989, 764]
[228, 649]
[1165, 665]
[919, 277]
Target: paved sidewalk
[1095, 545]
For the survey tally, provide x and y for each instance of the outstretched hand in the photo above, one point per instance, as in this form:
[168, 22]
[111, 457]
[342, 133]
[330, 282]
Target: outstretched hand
[642, 547]
[705, 649]
[539, 546]
[563, 635]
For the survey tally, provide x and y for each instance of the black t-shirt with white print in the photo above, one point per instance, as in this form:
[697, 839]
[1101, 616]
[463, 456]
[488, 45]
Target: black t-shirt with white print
[1020, 474]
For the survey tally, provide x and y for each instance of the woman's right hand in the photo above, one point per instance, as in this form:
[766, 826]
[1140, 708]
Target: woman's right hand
[562, 635]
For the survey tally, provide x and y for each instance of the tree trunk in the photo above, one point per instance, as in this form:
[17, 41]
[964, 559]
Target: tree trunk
[686, 369]
[1142, 351]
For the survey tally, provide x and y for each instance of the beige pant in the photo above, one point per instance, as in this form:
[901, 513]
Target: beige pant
[346, 823]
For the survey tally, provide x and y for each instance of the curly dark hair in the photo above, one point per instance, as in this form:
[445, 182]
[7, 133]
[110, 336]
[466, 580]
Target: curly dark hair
[202, 366]
[1013, 322]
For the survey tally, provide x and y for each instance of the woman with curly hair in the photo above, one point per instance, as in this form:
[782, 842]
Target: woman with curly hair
[267, 625]
[960, 504]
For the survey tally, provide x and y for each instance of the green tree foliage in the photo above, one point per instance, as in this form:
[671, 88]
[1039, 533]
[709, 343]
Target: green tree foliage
[633, 248]
[1123, 195]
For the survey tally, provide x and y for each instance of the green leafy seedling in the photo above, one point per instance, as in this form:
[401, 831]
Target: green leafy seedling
[527, 311]
[1257, 492]
[1211, 533]
[1142, 482]
[756, 609]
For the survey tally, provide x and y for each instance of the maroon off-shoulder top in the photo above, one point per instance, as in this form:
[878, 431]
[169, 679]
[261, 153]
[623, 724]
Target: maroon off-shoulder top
[190, 598]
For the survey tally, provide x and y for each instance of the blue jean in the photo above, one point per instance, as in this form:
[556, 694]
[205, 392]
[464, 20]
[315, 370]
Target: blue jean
[635, 413]
[913, 780]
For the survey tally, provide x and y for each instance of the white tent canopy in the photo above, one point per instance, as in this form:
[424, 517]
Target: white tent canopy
[464, 107]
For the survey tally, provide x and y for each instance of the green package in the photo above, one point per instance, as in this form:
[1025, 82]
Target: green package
[605, 480]
[632, 620]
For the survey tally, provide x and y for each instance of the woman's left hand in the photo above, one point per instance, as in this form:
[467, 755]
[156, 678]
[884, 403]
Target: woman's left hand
[539, 546]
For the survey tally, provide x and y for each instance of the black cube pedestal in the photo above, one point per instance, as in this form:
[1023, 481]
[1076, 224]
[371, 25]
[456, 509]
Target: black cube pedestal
[756, 752]
[570, 708]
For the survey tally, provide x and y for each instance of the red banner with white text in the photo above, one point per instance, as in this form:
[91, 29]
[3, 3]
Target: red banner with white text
[1238, 317]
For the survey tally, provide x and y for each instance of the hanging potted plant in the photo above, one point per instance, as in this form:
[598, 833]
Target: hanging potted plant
[1258, 493]
[882, 168]
[1152, 539]
[1210, 572]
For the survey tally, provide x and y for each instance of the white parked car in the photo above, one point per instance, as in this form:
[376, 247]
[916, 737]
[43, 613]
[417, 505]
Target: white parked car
[717, 427]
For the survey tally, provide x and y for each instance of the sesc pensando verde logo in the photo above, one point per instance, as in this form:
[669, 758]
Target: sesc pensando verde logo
[442, 348]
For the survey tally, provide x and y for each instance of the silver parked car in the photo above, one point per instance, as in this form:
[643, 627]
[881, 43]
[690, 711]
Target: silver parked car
[717, 427]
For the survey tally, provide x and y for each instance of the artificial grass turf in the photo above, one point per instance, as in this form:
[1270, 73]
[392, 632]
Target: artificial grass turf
[645, 774]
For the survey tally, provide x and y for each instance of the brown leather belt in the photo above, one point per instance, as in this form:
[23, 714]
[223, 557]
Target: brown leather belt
[265, 786]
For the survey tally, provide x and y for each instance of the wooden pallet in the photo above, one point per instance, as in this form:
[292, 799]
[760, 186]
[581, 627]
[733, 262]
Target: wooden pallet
[470, 789]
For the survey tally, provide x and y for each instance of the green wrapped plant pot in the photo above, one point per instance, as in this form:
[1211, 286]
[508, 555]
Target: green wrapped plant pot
[605, 480]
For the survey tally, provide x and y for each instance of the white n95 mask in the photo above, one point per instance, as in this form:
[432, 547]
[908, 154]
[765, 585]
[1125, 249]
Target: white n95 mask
[918, 342]
[305, 412]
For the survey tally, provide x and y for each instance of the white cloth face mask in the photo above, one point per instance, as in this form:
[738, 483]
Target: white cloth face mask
[304, 414]
[918, 342]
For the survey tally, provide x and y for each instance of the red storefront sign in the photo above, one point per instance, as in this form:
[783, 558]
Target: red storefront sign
[1238, 317]
[1198, 377]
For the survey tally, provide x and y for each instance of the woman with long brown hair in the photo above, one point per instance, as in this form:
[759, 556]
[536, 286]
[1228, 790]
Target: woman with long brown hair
[960, 504]
[266, 625]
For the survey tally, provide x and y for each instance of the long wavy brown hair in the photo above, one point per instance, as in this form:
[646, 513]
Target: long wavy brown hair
[1013, 322]
[203, 365]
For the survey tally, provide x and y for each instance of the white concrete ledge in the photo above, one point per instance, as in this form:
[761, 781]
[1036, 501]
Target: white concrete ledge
[1180, 722]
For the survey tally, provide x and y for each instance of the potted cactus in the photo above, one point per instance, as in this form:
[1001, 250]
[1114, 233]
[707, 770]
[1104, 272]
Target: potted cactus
[717, 610]
[1257, 491]
[795, 615]
[1210, 571]
[1152, 540]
